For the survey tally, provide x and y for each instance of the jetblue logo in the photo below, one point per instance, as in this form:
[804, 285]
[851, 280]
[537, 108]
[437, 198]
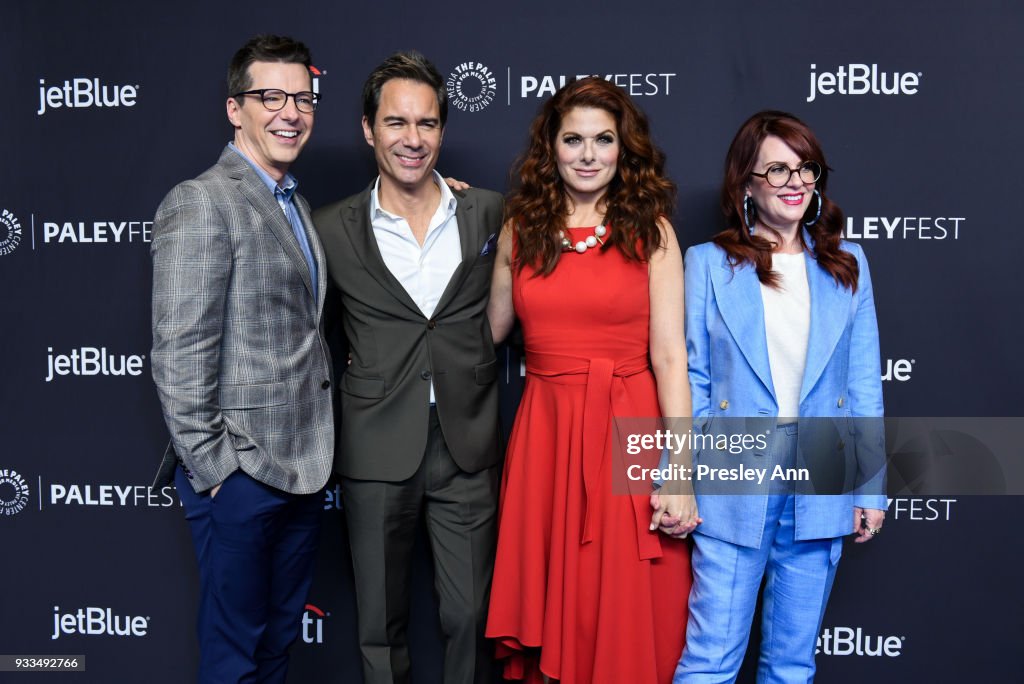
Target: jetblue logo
[846, 641]
[97, 622]
[92, 361]
[862, 79]
[898, 370]
[77, 93]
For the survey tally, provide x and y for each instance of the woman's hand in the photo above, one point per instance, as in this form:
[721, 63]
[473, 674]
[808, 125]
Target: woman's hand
[867, 522]
[674, 514]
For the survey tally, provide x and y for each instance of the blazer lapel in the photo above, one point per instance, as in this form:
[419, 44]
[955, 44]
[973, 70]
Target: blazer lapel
[318, 253]
[356, 222]
[254, 190]
[738, 293]
[465, 216]
[830, 311]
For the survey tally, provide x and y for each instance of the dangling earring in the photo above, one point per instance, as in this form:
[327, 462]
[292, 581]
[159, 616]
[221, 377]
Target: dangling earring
[818, 215]
[746, 213]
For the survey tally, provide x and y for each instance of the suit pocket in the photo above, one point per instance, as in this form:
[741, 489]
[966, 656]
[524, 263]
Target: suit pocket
[367, 388]
[252, 395]
[486, 373]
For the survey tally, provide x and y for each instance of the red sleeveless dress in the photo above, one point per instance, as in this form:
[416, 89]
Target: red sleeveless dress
[583, 592]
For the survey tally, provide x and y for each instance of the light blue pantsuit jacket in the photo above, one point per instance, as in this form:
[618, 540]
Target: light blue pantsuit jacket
[730, 377]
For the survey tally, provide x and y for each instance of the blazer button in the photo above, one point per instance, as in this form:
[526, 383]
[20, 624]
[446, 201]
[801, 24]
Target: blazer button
[840, 402]
[724, 405]
[325, 384]
[431, 324]
[841, 445]
[425, 375]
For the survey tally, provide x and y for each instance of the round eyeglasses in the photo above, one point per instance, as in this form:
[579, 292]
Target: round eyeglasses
[275, 100]
[778, 174]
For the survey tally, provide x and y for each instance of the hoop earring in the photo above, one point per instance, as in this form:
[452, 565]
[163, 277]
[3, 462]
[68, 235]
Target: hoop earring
[746, 213]
[817, 215]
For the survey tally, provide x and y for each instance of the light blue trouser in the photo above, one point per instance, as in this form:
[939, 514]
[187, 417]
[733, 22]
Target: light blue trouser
[726, 579]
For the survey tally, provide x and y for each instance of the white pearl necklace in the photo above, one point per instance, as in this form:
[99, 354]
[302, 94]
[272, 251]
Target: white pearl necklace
[583, 245]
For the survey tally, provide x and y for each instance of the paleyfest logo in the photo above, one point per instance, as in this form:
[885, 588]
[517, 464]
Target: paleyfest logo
[10, 232]
[13, 493]
[471, 87]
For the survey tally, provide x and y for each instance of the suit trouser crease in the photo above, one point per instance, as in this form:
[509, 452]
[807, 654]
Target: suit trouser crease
[798, 578]
[461, 517]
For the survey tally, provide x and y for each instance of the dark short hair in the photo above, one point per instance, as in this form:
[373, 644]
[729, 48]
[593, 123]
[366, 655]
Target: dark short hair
[411, 66]
[264, 48]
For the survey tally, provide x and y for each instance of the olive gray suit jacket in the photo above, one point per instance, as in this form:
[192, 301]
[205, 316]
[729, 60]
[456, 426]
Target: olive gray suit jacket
[396, 351]
[239, 358]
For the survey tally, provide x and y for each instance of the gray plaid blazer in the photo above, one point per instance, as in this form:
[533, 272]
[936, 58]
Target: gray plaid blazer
[239, 359]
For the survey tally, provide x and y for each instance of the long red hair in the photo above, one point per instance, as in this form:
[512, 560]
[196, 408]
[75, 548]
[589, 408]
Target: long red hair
[736, 240]
[637, 197]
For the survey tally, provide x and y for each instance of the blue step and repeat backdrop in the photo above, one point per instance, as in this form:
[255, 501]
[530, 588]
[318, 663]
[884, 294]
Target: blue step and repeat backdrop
[109, 104]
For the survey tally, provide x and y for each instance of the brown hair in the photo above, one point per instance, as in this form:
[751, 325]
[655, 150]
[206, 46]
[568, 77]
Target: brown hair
[637, 197]
[263, 48]
[736, 240]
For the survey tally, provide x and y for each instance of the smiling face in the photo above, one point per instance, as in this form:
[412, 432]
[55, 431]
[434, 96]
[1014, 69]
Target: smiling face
[272, 140]
[779, 208]
[587, 152]
[406, 134]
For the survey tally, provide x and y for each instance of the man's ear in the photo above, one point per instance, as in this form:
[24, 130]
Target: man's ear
[367, 131]
[234, 113]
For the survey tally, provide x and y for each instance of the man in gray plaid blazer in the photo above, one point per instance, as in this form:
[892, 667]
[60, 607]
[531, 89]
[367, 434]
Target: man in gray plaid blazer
[242, 369]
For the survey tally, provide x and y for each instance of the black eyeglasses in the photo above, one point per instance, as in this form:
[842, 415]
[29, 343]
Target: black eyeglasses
[275, 100]
[778, 174]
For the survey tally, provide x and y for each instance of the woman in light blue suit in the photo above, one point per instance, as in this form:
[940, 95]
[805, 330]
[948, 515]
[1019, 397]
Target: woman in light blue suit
[780, 327]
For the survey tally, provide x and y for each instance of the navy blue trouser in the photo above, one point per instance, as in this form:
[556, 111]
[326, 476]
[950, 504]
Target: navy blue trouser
[255, 546]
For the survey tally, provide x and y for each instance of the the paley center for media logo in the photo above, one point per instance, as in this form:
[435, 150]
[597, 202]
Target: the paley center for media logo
[10, 232]
[862, 79]
[471, 86]
[13, 492]
[92, 361]
[79, 92]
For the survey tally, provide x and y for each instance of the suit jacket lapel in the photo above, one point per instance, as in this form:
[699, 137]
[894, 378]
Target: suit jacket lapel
[830, 311]
[738, 293]
[465, 216]
[356, 222]
[318, 253]
[254, 190]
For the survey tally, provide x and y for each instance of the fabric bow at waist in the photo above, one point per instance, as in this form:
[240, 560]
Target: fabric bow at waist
[603, 391]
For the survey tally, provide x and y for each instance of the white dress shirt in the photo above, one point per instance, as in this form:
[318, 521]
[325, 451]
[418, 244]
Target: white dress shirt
[424, 271]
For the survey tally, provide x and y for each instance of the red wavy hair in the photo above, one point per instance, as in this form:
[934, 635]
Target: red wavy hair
[736, 240]
[637, 197]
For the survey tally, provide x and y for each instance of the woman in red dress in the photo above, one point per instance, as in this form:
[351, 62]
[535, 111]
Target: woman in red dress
[585, 588]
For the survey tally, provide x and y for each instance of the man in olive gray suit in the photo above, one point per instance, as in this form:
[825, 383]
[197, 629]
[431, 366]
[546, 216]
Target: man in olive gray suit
[243, 371]
[411, 262]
